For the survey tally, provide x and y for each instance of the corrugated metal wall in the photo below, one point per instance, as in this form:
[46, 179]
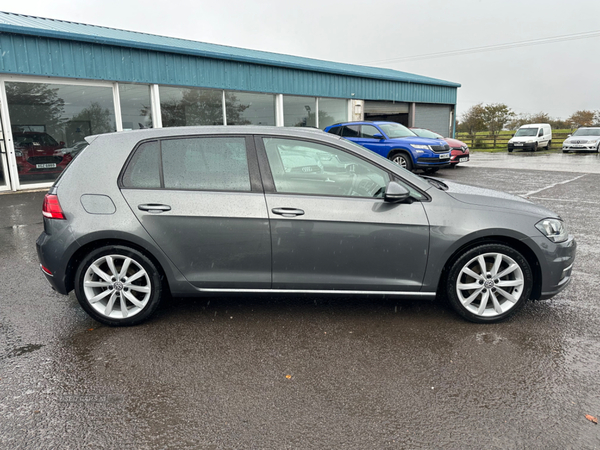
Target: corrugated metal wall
[434, 117]
[31, 55]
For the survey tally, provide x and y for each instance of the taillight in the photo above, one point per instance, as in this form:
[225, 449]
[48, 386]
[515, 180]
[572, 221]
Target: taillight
[51, 208]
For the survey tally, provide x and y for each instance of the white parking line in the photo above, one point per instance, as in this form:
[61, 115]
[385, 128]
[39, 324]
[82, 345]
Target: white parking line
[551, 186]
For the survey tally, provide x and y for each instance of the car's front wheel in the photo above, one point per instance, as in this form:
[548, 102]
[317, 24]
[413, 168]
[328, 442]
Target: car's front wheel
[118, 285]
[489, 283]
[402, 159]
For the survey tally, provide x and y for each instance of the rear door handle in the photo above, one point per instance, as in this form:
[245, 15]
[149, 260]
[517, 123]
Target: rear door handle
[288, 212]
[154, 208]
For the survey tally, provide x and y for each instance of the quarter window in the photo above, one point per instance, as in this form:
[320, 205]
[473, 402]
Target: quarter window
[143, 170]
[308, 168]
[351, 131]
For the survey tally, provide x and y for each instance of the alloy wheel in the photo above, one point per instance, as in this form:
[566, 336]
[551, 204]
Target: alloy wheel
[490, 284]
[117, 286]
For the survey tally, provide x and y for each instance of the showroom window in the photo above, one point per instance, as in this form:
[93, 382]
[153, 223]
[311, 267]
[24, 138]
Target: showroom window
[135, 106]
[299, 111]
[246, 108]
[190, 106]
[50, 121]
[332, 110]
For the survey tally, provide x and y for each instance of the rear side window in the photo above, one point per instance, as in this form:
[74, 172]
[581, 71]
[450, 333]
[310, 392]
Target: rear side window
[143, 170]
[206, 163]
[336, 130]
[351, 131]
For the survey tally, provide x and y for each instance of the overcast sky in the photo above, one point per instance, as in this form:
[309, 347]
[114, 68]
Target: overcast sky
[558, 77]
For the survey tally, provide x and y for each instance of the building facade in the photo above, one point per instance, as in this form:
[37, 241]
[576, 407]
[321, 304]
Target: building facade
[62, 81]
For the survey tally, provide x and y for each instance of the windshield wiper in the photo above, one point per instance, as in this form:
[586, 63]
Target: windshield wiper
[437, 183]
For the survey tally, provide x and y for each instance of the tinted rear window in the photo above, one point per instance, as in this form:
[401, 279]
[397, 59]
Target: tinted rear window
[143, 170]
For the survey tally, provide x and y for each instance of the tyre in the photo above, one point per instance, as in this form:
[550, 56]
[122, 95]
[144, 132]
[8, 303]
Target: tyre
[489, 283]
[598, 149]
[432, 170]
[549, 145]
[565, 151]
[402, 159]
[510, 150]
[535, 147]
[118, 285]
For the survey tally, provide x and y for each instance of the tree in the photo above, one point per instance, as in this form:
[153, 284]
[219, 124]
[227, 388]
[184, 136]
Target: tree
[495, 117]
[583, 118]
[472, 120]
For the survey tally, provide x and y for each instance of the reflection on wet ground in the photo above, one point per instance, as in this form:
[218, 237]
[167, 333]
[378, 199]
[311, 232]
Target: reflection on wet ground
[303, 371]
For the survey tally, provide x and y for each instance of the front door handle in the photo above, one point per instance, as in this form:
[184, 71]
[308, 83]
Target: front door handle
[288, 212]
[154, 208]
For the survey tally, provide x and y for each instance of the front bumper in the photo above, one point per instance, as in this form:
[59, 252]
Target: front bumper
[522, 146]
[556, 264]
[580, 148]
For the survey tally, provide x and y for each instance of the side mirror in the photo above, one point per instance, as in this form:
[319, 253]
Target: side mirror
[378, 136]
[569, 135]
[395, 193]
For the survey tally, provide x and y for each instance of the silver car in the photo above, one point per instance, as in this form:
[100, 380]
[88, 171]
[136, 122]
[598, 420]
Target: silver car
[204, 210]
[585, 139]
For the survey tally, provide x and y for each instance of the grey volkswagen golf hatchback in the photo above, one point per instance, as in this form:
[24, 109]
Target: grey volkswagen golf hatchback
[204, 210]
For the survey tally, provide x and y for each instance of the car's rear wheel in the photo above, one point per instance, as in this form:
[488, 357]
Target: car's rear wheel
[489, 283]
[118, 285]
[549, 145]
[402, 159]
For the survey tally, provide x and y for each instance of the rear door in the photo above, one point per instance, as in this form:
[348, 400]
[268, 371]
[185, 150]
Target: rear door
[330, 227]
[201, 200]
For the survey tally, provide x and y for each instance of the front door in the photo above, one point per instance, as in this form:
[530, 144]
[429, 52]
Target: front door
[331, 228]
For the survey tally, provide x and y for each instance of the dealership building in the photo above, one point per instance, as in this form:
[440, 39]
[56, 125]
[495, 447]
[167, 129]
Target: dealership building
[62, 81]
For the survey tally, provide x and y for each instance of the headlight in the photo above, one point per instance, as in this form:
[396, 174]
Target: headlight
[423, 147]
[510, 141]
[592, 142]
[553, 229]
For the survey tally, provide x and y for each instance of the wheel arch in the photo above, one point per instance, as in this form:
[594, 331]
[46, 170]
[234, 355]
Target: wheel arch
[514, 243]
[400, 150]
[80, 253]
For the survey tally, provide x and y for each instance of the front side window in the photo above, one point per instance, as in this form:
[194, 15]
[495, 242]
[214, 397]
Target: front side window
[301, 167]
[395, 130]
[369, 131]
[207, 163]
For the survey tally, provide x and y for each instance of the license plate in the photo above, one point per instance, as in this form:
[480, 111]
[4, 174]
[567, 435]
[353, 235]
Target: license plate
[463, 159]
[518, 145]
[445, 156]
[45, 166]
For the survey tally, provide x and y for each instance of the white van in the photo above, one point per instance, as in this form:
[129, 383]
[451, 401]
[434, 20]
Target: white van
[531, 137]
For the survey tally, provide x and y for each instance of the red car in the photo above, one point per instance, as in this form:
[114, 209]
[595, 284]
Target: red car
[460, 150]
[38, 153]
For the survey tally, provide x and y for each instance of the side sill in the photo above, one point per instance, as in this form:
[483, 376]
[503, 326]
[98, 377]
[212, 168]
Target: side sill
[315, 291]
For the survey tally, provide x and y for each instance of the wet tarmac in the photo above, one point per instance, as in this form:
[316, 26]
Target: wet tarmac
[309, 372]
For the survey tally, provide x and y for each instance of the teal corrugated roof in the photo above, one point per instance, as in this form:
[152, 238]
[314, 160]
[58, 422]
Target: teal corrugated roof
[60, 29]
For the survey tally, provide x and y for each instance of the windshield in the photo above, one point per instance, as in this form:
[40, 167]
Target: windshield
[526, 132]
[395, 130]
[587, 132]
[426, 133]
[23, 139]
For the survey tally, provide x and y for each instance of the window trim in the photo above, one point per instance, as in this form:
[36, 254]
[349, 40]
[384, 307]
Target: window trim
[256, 185]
